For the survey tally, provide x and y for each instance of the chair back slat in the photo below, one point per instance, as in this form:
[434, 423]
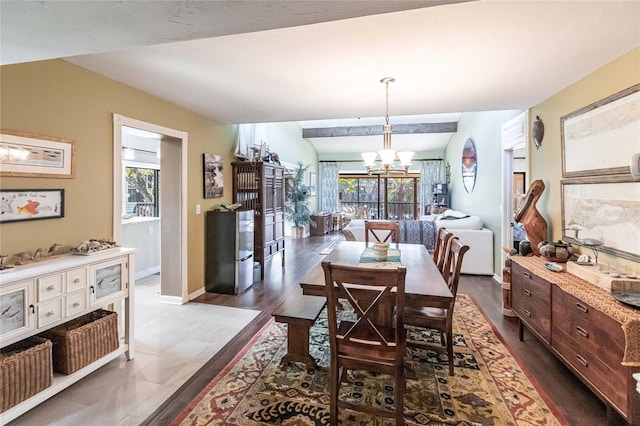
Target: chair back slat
[442, 248]
[376, 229]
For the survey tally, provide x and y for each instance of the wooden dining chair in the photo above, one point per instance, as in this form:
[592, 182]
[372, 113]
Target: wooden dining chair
[377, 230]
[442, 243]
[437, 318]
[362, 344]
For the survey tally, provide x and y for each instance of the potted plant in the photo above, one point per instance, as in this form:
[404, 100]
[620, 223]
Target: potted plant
[296, 210]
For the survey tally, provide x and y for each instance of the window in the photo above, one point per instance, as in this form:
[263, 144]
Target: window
[380, 197]
[142, 189]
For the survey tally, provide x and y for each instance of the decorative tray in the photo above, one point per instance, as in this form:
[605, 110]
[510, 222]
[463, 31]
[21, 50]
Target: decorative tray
[627, 297]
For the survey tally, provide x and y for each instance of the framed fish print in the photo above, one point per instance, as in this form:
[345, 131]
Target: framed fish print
[31, 204]
[27, 155]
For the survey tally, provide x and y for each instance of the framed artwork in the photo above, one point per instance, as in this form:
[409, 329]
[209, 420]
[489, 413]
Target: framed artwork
[26, 155]
[212, 172]
[600, 138]
[606, 211]
[518, 189]
[313, 183]
[31, 204]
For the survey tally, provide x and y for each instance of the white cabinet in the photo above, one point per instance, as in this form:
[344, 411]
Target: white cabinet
[41, 295]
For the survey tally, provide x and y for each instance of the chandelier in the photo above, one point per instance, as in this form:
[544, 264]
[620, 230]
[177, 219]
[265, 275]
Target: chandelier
[387, 155]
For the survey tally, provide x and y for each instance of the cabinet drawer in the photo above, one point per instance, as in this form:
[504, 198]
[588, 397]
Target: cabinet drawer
[593, 330]
[76, 279]
[50, 287]
[610, 384]
[76, 302]
[50, 312]
[531, 300]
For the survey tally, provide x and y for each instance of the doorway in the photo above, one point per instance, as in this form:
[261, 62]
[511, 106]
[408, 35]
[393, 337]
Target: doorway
[169, 203]
[515, 142]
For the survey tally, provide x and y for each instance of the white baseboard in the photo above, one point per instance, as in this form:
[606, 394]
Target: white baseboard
[171, 300]
[197, 293]
[497, 278]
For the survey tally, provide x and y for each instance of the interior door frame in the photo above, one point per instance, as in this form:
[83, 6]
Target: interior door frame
[515, 135]
[120, 121]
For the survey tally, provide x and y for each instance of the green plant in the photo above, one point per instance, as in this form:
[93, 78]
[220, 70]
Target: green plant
[297, 193]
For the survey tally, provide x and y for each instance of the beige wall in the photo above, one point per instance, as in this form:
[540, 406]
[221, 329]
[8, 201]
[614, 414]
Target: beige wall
[56, 98]
[546, 162]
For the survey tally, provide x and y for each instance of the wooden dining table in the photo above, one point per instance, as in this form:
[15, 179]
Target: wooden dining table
[424, 285]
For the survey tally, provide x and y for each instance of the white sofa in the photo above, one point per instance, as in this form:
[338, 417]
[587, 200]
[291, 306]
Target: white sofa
[469, 229]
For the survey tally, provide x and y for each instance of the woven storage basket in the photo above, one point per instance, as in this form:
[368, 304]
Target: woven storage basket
[83, 340]
[25, 370]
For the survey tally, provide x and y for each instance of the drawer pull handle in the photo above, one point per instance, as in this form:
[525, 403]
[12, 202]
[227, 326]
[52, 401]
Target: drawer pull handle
[528, 275]
[33, 309]
[76, 281]
[582, 331]
[581, 360]
[582, 307]
[51, 287]
[93, 290]
[76, 304]
[526, 292]
[527, 313]
[51, 313]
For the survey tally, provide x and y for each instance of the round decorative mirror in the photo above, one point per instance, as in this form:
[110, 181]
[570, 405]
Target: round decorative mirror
[469, 165]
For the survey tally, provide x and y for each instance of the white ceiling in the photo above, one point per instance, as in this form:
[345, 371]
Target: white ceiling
[272, 61]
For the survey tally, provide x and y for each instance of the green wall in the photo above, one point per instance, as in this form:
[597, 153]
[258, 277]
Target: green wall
[485, 199]
[59, 99]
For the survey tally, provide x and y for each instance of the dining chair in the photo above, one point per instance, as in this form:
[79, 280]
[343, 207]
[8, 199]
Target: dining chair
[442, 243]
[377, 230]
[359, 343]
[437, 318]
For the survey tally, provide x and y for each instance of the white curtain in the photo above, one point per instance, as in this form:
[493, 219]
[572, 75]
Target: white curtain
[329, 173]
[429, 174]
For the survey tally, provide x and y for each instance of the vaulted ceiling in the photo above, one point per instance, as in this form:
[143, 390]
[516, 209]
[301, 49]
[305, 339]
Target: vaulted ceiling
[271, 61]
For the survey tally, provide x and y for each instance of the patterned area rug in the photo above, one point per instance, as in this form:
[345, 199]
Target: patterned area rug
[489, 387]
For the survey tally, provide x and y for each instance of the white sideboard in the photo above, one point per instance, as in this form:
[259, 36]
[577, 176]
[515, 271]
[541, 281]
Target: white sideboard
[44, 294]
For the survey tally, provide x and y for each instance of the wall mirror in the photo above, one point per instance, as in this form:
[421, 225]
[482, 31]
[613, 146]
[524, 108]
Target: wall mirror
[469, 165]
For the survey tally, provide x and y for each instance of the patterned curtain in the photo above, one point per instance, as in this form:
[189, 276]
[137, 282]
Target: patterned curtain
[328, 190]
[429, 174]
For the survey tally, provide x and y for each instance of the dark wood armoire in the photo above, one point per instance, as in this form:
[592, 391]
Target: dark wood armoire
[260, 186]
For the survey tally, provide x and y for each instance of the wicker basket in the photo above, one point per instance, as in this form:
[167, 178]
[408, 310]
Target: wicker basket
[83, 340]
[25, 370]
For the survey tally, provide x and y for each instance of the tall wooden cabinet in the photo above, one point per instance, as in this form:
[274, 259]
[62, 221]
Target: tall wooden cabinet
[259, 186]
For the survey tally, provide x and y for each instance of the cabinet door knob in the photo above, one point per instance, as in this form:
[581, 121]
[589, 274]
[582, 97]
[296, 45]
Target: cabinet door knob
[582, 307]
[76, 304]
[93, 290]
[581, 360]
[76, 281]
[33, 309]
[50, 313]
[51, 287]
[581, 331]
[527, 313]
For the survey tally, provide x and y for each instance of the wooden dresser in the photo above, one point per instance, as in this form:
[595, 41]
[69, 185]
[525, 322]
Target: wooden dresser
[583, 325]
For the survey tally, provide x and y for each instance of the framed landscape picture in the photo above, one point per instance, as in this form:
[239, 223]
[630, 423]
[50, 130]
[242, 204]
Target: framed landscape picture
[600, 138]
[607, 211]
[212, 175]
[23, 154]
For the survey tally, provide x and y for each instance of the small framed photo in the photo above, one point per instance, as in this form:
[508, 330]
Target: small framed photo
[26, 155]
[212, 175]
[18, 205]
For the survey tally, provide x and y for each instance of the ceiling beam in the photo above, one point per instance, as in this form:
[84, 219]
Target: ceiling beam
[398, 129]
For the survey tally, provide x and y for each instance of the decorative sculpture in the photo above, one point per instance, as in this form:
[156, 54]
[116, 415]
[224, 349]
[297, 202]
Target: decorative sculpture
[534, 224]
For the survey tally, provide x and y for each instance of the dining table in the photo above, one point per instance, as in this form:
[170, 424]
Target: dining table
[424, 285]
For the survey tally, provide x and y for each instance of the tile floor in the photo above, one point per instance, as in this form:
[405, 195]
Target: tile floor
[172, 343]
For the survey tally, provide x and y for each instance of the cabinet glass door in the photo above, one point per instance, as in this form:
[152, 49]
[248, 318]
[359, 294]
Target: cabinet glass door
[15, 314]
[108, 280]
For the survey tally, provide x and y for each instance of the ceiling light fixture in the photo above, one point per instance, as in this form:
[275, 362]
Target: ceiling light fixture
[387, 155]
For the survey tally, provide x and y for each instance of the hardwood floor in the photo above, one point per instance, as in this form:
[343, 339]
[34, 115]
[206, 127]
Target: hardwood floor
[575, 402]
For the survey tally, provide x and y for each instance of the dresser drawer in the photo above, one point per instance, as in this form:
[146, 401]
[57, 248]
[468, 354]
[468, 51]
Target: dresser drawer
[76, 279]
[531, 301]
[76, 303]
[594, 331]
[611, 384]
[50, 286]
[50, 312]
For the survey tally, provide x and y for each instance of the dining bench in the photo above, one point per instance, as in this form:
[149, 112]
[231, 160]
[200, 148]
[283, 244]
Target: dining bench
[299, 312]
